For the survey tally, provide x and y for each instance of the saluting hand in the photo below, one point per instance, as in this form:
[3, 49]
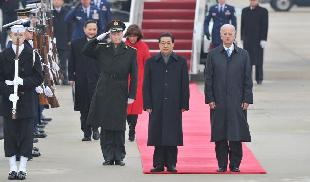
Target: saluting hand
[102, 36]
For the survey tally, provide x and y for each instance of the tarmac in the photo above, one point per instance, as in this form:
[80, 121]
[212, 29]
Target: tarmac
[278, 119]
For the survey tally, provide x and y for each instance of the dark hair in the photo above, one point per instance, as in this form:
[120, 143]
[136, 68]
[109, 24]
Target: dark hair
[166, 34]
[134, 30]
[90, 21]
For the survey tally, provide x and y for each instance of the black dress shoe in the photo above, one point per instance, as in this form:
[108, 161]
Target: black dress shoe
[96, 135]
[12, 175]
[46, 119]
[35, 140]
[41, 126]
[157, 169]
[36, 153]
[86, 139]
[235, 169]
[119, 163]
[108, 163]
[39, 135]
[171, 169]
[221, 169]
[21, 175]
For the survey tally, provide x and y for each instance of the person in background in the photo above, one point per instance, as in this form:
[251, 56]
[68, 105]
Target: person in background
[134, 39]
[83, 76]
[62, 34]
[254, 31]
[221, 14]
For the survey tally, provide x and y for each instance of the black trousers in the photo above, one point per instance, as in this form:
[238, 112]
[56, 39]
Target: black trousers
[113, 145]
[63, 63]
[18, 137]
[165, 156]
[85, 126]
[259, 74]
[228, 149]
[132, 122]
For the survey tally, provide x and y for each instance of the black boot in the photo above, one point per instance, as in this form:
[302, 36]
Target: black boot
[132, 130]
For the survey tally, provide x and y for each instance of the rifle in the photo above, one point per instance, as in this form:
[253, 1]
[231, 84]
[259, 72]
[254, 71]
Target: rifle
[48, 76]
[15, 97]
[42, 98]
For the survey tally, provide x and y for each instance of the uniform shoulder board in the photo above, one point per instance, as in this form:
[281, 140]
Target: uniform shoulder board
[128, 46]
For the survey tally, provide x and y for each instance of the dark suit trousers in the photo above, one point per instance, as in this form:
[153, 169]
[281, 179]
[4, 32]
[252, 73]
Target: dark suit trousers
[18, 137]
[85, 127]
[259, 75]
[228, 149]
[165, 156]
[63, 63]
[113, 144]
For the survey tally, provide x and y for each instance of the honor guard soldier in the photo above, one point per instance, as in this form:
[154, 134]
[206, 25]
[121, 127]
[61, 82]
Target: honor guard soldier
[221, 14]
[108, 109]
[20, 73]
[79, 15]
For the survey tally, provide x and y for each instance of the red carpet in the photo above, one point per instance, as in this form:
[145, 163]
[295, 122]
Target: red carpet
[197, 156]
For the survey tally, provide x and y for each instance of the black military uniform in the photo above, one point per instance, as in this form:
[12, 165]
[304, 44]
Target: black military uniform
[18, 136]
[84, 71]
[254, 29]
[108, 108]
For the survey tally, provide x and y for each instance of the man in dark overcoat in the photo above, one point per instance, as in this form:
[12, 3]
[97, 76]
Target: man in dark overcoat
[62, 33]
[228, 91]
[108, 108]
[83, 75]
[254, 31]
[165, 96]
[18, 136]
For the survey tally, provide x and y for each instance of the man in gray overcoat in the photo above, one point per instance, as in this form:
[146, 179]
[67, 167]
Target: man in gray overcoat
[228, 91]
[165, 97]
[108, 109]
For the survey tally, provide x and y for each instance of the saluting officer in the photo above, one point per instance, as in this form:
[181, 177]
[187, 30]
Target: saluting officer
[221, 14]
[18, 136]
[79, 15]
[108, 109]
[105, 9]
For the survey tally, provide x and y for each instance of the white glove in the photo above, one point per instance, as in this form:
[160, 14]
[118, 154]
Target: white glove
[48, 92]
[18, 81]
[13, 97]
[130, 101]
[8, 82]
[39, 90]
[263, 43]
[102, 36]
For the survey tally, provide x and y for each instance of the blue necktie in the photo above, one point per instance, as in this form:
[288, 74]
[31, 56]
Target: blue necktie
[228, 52]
